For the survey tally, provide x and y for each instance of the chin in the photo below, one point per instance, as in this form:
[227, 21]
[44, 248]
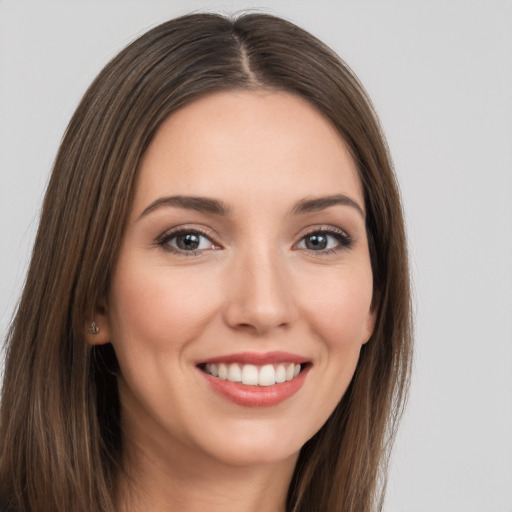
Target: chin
[254, 455]
[255, 444]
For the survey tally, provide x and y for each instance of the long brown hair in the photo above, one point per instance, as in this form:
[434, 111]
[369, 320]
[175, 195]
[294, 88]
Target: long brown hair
[59, 421]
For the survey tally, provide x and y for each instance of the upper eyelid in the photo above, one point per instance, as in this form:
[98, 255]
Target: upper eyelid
[163, 242]
[214, 237]
[177, 230]
[345, 240]
[322, 228]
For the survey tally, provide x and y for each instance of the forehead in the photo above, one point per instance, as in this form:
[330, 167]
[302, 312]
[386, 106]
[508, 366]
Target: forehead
[247, 145]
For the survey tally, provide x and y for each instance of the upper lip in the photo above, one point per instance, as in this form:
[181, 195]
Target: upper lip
[258, 358]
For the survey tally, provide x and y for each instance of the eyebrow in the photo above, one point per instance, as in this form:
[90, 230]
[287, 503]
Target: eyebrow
[216, 207]
[200, 204]
[321, 203]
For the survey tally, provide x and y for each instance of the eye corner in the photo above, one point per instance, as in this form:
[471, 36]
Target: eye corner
[324, 240]
[187, 241]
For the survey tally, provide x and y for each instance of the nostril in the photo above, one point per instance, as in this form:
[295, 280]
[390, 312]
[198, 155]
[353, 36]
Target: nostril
[259, 296]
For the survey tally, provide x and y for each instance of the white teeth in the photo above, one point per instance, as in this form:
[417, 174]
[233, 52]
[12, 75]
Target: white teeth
[223, 371]
[267, 375]
[252, 375]
[234, 373]
[281, 373]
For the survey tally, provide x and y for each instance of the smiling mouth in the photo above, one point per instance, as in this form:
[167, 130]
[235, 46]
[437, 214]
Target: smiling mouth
[254, 375]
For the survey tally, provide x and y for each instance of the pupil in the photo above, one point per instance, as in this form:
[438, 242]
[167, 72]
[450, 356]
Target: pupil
[316, 242]
[188, 242]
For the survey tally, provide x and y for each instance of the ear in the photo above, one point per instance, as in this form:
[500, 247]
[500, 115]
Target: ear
[369, 325]
[97, 328]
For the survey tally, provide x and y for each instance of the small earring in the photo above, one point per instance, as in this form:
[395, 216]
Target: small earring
[93, 328]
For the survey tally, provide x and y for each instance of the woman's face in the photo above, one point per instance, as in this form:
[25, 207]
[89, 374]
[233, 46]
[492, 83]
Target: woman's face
[245, 255]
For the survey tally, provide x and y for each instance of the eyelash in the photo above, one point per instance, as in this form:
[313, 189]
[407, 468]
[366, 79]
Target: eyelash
[344, 241]
[164, 240]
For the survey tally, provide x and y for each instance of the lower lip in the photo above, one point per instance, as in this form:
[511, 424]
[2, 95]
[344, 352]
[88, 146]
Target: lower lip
[256, 396]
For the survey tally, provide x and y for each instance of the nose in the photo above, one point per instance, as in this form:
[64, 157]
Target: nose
[259, 294]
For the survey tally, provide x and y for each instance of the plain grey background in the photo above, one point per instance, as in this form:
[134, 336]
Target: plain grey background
[440, 75]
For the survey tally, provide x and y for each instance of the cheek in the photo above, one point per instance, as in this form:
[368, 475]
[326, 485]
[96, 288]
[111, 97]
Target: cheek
[337, 311]
[338, 308]
[158, 309]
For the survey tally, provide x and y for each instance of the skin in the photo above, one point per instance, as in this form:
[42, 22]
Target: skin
[254, 285]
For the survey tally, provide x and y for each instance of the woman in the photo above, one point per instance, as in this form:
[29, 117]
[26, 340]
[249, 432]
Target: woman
[216, 315]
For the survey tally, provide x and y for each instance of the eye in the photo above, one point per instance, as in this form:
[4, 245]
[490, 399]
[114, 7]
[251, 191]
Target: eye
[324, 241]
[189, 241]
